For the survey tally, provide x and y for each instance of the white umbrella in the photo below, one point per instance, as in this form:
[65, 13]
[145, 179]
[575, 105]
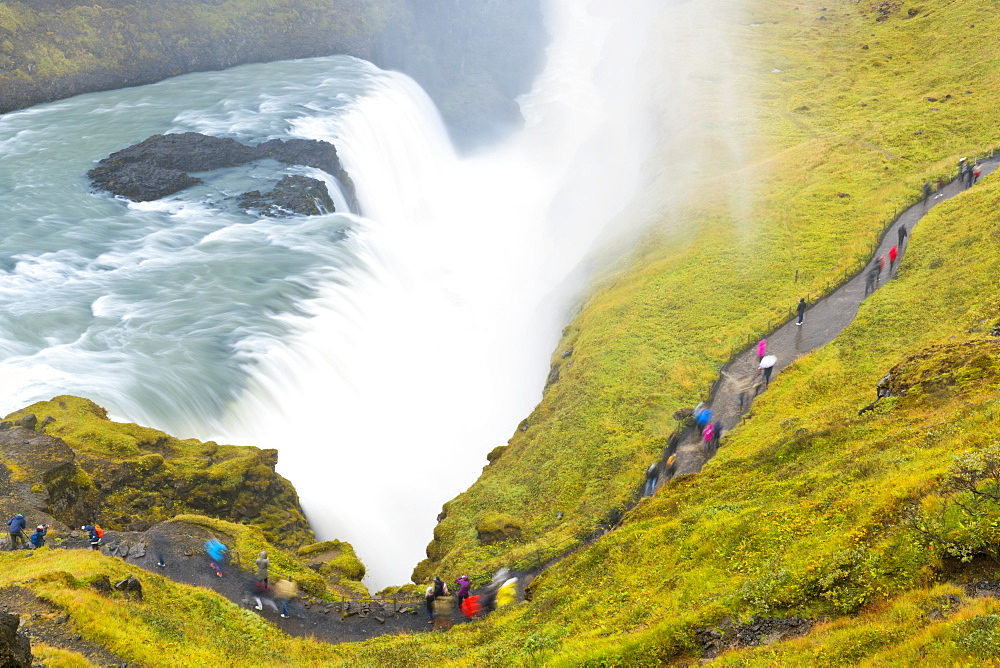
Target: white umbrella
[767, 361]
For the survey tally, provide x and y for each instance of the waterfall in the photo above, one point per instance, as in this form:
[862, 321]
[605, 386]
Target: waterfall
[383, 354]
[386, 402]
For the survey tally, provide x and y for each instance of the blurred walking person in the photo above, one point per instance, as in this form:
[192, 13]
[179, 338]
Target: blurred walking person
[800, 310]
[652, 474]
[216, 552]
[893, 254]
[285, 591]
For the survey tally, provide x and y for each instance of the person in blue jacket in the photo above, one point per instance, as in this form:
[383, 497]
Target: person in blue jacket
[216, 552]
[94, 534]
[37, 539]
[15, 527]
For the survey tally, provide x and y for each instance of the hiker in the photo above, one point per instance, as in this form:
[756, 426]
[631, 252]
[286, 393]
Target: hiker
[15, 527]
[488, 597]
[761, 348]
[37, 539]
[263, 563]
[703, 416]
[471, 607]
[95, 533]
[258, 593]
[744, 387]
[285, 591]
[766, 375]
[507, 593]
[669, 468]
[429, 601]
[216, 552]
[881, 268]
[901, 233]
[927, 193]
[443, 608]
[800, 310]
[464, 585]
[963, 171]
[977, 172]
[652, 474]
[706, 435]
[716, 435]
[893, 254]
[872, 281]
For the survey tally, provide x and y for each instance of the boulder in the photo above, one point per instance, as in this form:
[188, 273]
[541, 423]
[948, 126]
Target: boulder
[130, 586]
[15, 648]
[293, 195]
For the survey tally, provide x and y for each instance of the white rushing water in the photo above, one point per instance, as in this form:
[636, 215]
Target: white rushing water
[382, 355]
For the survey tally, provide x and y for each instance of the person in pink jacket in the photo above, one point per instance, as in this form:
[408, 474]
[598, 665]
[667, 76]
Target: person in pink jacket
[761, 348]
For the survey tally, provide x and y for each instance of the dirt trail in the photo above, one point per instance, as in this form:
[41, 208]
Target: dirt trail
[823, 321]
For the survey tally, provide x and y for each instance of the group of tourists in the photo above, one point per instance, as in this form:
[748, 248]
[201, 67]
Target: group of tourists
[19, 538]
[441, 604]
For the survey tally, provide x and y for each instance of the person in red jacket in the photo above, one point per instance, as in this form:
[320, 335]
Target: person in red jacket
[893, 254]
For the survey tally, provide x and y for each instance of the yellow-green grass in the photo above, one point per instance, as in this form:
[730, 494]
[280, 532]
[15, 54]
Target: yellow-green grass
[923, 627]
[141, 471]
[55, 657]
[651, 336]
[804, 511]
[247, 542]
[174, 625]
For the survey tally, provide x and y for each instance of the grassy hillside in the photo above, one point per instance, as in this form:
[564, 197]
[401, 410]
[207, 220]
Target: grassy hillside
[129, 477]
[862, 526]
[833, 144]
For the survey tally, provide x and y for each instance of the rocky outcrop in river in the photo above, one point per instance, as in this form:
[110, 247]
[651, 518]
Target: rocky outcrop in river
[160, 166]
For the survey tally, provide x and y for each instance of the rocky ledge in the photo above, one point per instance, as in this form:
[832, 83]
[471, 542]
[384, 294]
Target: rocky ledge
[161, 166]
[77, 466]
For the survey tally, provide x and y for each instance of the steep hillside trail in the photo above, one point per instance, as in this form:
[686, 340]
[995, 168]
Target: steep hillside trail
[357, 620]
[823, 321]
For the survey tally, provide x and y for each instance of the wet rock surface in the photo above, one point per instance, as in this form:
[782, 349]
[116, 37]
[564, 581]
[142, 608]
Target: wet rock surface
[160, 166]
[292, 195]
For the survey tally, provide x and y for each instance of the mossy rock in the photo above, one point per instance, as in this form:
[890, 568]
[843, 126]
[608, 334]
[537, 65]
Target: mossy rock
[130, 477]
[953, 367]
[498, 528]
[334, 559]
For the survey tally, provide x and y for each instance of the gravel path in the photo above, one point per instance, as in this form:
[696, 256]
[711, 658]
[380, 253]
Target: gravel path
[823, 321]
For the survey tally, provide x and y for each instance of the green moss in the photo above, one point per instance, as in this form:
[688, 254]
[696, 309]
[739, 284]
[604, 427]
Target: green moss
[145, 476]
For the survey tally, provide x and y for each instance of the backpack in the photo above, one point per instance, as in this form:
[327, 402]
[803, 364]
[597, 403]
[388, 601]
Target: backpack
[99, 531]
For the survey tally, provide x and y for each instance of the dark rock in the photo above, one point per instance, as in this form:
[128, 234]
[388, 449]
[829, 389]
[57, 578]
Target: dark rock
[101, 583]
[293, 195]
[15, 648]
[159, 166]
[29, 421]
[130, 586]
[6, 425]
[46, 422]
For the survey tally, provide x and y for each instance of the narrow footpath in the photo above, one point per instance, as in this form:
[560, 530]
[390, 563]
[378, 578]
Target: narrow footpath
[823, 321]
